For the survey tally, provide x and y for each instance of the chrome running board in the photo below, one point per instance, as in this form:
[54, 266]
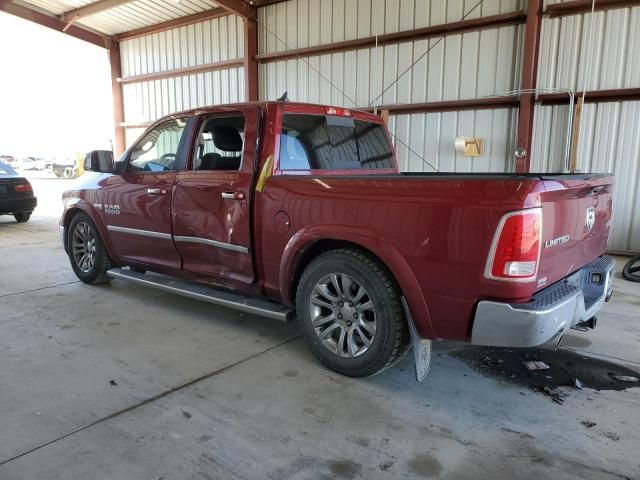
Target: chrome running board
[198, 291]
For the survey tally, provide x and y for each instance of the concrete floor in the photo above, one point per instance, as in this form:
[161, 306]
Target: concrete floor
[124, 382]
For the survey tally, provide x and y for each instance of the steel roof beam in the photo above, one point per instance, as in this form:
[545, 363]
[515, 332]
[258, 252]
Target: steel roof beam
[91, 9]
[174, 23]
[239, 7]
[49, 21]
[584, 6]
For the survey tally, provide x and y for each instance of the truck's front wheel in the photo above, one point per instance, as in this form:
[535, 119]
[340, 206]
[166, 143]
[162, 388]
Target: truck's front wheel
[89, 258]
[350, 313]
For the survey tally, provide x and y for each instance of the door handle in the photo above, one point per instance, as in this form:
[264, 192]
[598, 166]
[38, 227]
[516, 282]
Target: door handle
[156, 191]
[232, 195]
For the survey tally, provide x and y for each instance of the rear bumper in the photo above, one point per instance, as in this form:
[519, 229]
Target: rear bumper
[15, 205]
[551, 311]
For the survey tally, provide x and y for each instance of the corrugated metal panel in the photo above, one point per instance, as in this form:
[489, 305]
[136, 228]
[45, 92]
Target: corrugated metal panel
[564, 50]
[465, 66]
[148, 101]
[58, 7]
[129, 16]
[432, 136]
[609, 142]
[205, 42]
[201, 43]
[305, 23]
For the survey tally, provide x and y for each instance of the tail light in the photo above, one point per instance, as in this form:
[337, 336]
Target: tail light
[23, 187]
[515, 250]
[340, 112]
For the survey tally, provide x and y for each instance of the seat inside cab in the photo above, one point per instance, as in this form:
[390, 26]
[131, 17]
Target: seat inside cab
[220, 144]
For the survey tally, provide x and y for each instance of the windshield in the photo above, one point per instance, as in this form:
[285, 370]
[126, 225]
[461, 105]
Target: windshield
[6, 170]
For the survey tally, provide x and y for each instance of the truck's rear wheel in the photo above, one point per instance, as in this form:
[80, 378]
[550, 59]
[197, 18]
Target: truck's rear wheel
[68, 172]
[89, 258]
[350, 313]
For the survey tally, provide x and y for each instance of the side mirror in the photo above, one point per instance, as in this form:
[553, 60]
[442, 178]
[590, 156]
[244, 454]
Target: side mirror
[99, 161]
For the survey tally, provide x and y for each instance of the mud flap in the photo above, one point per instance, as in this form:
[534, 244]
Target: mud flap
[421, 347]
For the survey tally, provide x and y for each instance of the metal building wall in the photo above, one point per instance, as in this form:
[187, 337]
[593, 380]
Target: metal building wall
[464, 66]
[610, 134]
[197, 44]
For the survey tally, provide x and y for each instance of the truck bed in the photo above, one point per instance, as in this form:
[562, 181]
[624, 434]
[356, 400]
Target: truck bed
[442, 225]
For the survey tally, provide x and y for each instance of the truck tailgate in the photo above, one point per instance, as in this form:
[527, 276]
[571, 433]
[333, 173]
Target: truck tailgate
[576, 217]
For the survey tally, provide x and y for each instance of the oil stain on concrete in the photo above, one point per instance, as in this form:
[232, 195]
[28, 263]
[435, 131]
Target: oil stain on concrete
[425, 465]
[564, 366]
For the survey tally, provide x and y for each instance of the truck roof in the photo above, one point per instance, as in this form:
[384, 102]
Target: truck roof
[297, 105]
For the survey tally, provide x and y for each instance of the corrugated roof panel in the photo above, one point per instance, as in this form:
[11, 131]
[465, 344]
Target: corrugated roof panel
[142, 13]
[58, 7]
[128, 16]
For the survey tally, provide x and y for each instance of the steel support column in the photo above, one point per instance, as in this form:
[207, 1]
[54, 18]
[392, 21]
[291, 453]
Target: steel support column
[529, 81]
[250, 63]
[119, 142]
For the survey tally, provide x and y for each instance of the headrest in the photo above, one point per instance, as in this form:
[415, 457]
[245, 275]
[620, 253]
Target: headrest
[227, 138]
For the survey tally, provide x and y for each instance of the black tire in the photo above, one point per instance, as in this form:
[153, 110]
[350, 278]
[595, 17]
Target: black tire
[22, 217]
[391, 341]
[631, 271]
[97, 273]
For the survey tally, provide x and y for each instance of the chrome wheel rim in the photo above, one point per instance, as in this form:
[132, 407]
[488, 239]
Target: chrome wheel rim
[343, 315]
[83, 246]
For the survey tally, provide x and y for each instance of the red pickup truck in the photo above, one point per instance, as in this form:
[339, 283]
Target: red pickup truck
[294, 210]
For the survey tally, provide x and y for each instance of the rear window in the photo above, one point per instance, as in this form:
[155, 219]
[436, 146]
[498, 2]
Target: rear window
[319, 142]
[6, 169]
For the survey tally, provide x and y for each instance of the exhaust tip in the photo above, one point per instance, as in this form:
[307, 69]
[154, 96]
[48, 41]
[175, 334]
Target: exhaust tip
[554, 343]
[609, 295]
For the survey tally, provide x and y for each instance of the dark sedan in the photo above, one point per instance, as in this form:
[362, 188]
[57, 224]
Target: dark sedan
[16, 194]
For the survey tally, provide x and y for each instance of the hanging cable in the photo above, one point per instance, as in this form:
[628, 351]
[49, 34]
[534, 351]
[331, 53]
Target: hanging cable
[422, 56]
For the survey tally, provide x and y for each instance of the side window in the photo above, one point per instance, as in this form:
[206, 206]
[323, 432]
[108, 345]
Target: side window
[157, 151]
[220, 143]
[318, 142]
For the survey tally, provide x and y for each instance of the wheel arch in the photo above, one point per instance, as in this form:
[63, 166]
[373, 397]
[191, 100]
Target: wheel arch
[304, 247]
[82, 207]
